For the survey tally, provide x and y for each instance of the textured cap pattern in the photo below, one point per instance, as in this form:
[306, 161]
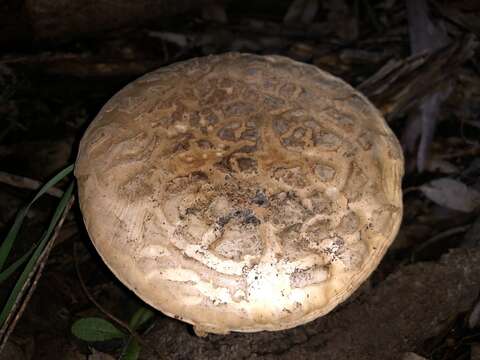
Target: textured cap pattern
[239, 192]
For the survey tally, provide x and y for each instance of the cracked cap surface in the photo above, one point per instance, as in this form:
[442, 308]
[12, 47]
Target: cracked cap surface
[239, 192]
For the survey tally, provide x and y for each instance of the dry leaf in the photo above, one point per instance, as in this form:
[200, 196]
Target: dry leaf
[442, 166]
[97, 355]
[412, 356]
[452, 194]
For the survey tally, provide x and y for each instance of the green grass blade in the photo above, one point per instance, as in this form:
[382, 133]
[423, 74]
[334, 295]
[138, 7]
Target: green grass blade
[12, 234]
[131, 350]
[38, 251]
[5, 274]
[140, 317]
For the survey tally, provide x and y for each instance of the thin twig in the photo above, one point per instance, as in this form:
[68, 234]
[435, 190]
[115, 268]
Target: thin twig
[27, 183]
[410, 189]
[472, 151]
[92, 299]
[35, 274]
[443, 235]
[104, 311]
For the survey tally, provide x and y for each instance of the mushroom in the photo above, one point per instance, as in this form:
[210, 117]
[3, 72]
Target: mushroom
[239, 192]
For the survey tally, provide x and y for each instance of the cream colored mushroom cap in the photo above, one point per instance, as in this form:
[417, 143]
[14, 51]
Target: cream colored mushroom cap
[239, 192]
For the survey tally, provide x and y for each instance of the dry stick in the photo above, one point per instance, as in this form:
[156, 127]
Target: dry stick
[104, 311]
[443, 235]
[36, 272]
[461, 153]
[42, 57]
[27, 183]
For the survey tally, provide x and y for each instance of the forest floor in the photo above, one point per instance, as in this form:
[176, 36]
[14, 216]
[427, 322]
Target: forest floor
[422, 301]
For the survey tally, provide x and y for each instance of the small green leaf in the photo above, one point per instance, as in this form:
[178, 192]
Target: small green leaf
[131, 350]
[140, 317]
[96, 329]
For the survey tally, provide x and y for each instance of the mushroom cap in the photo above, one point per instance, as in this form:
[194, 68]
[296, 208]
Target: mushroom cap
[239, 192]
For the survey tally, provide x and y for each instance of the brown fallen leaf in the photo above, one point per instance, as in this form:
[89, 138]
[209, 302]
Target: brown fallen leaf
[412, 356]
[97, 355]
[442, 166]
[452, 194]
